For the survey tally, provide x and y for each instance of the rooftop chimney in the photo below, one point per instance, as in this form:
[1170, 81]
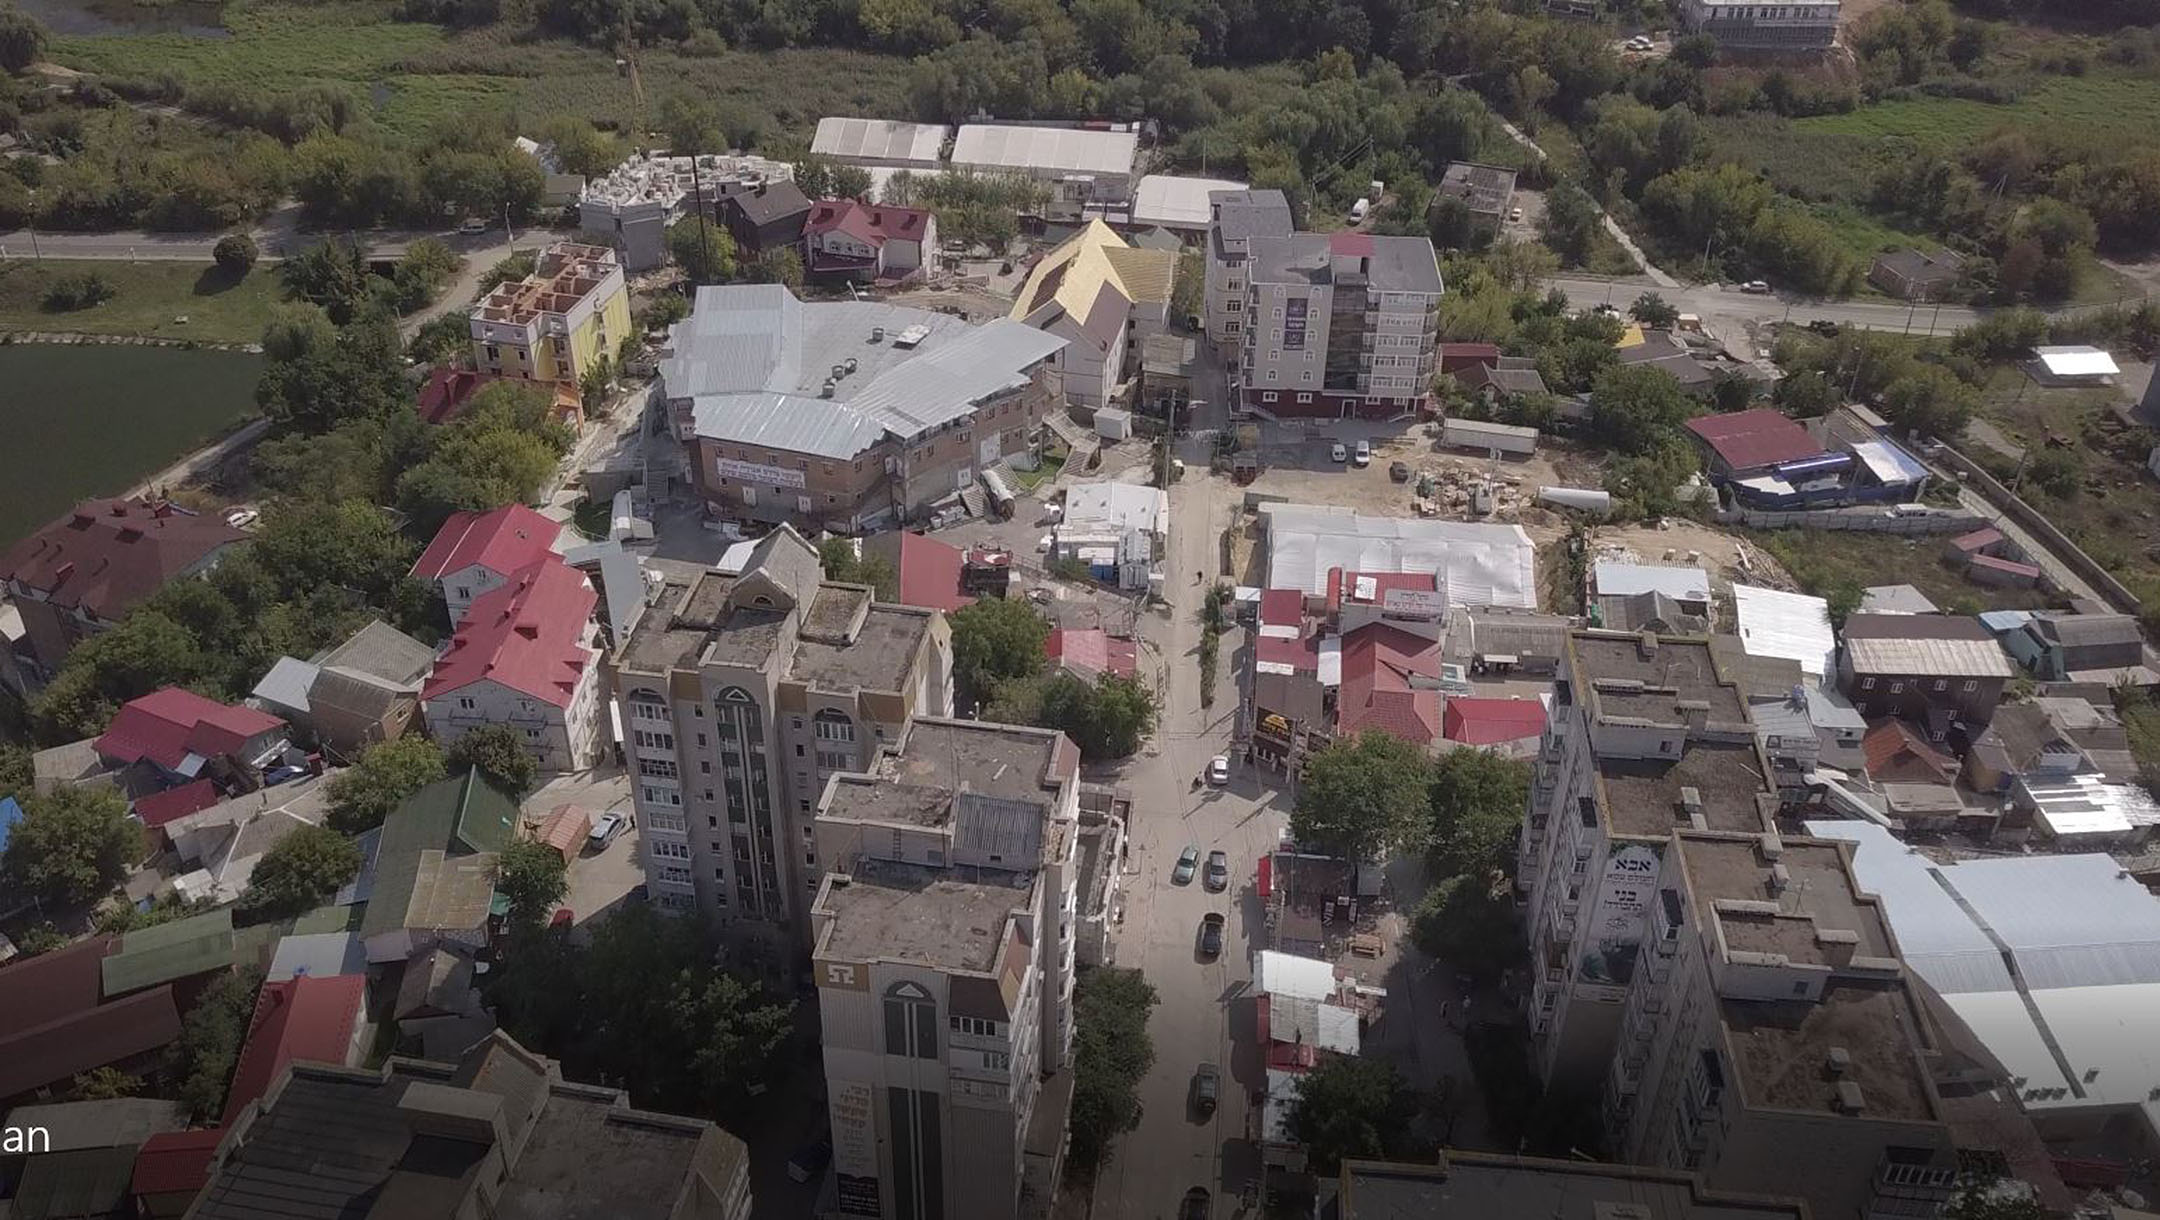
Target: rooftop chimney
[1838, 1063]
[1780, 878]
[1646, 644]
[1850, 1100]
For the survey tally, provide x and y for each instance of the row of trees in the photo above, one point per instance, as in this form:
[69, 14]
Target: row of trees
[1001, 669]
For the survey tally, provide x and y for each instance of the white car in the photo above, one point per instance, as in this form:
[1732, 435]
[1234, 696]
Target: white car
[1759, 288]
[1218, 770]
[1363, 456]
[474, 225]
[1514, 215]
[1337, 453]
[605, 830]
[1638, 43]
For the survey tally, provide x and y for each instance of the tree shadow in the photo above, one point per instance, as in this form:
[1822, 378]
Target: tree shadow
[216, 280]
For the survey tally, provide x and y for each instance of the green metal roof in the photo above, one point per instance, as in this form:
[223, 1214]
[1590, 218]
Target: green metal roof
[459, 816]
[328, 919]
[176, 950]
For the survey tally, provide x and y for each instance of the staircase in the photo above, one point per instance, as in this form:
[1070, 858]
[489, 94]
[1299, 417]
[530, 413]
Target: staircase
[975, 498]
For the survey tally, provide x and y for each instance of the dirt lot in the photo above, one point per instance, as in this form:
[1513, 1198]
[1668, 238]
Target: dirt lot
[1300, 468]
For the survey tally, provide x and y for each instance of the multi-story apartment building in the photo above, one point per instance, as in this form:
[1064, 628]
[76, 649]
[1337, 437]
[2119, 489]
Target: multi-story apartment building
[1754, 25]
[553, 325]
[1237, 217]
[525, 655]
[1339, 326]
[1770, 1039]
[1937, 670]
[945, 944]
[1647, 735]
[740, 692]
[847, 414]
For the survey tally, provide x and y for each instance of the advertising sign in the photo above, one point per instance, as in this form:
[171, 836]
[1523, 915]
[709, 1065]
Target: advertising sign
[1614, 931]
[1293, 335]
[778, 476]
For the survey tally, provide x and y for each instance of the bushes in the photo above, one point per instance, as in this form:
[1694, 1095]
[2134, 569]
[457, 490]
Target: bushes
[235, 254]
[1111, 1053]
[80, 291]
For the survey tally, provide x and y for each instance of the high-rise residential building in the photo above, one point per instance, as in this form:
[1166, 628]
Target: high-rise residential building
[1338, 326]
[558, 322]
[1728, 993]
[741, 689]
[1237, 218]
[946, 930]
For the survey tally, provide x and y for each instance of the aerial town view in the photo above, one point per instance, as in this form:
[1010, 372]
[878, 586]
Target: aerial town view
[1079, 610]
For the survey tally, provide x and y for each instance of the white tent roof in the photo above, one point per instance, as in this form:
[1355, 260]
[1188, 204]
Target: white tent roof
[1477, 564]
[1177, 202]
[1123, 506]
[1071, 150]
[1612, 577]
[1774, 623]
[879, 140]
[2079, 361]
[1287, 974]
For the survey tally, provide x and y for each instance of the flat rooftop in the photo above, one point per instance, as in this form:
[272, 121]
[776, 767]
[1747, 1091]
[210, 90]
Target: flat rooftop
[885, 911]
[1003, 761]
[1628, 678]
[880, 659]
[1642, 795]
[1780, 1050]
[1820, 886]
[589, 1159]
[1481, 1186]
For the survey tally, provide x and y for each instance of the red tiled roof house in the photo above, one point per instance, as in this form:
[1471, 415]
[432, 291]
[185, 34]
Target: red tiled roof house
[80, 574]
[475, 552]
[524, 656]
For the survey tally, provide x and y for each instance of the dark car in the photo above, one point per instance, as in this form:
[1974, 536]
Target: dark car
[1206, 1088]
[1399, 471]
[1211, 927]
[810, 1160]
[1195, 1206]
[1218, 870]
[1187, 861]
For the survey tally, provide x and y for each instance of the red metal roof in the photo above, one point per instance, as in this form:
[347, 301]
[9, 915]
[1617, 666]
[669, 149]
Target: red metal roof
[526, 634]
[500, 540]
[930, 574]
[1282, 608]
[308, 1018]
[175, 1162]
[1749, 440]
[1349, 242]
[1999, 564]
[165, 726]
[447, 390]
[1302, 655]
[1092, 650]
[1487, 722]
[1896, 752]
[872, 223]
[1377, 664]
[1985, 536]
[161, 807]
[107, 555]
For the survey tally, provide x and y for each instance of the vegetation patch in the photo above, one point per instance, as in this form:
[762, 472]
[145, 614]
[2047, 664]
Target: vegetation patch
[148, 299]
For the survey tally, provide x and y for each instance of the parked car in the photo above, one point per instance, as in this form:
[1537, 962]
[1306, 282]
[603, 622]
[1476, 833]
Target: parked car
[278, 775]
[1187, 861]
[1399, 471]
[1757, 287]
[1514, 215]
[1218, 871]
[605, 829]
[473, 225]
[1363, 456]
[1218, 769]
[562, 918]
[1211, 932]
[1360, 210]
[810, 1160]
[1206, 1088]
[1196, 1205]
[1337, 453]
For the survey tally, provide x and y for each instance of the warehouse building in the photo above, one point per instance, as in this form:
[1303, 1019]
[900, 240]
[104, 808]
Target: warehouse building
[1084, 165]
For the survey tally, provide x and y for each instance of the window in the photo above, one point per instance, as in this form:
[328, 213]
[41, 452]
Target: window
[975, 1026]
[704, 767]
[833, 725]
[910, 1022]
[655, 795]
[656, 768]
[1897, 688]
[1867, 684]
[1800, 988]
[997, 1061]
[1971, 686]
[669, 849]
[828, 760]
[1304, 396]
[464, 593]
[645, 706]
[1268, 396]
[466, 703]
[1941, 684]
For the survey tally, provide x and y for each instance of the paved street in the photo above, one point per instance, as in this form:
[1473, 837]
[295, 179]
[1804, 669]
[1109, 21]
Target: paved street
[1712, 300]
[277, 236]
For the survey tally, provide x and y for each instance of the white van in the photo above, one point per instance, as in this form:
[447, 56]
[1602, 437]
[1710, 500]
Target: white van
[1358, 211]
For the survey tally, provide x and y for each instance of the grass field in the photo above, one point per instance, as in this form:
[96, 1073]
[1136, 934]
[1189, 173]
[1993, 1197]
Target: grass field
[150, 297]
[105, 417]
[1823, 560]
[2098, 106]
[420, 75]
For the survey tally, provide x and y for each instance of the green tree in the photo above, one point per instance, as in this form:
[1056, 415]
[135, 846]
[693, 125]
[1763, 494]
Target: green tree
[301, 870]
[71, 845]
[1478, 799]
[1462, 922]
[581, 148]
[1805, 395]
[781, 265]
[704, 251]
[362, 795]
[1930, 401]
[1843, 599]
[1188, 292]
[420, 275]
[104, 1084]
[1112, 1053]
[22, 39]
[534, 877]
[995, 639]
[1364, 797]
[1637, 409]
[593, 386]
[499, 752]
[211, 1035]
[235, 254]
[1570, 224]
[1993, 1198]
[1654, 311]
[333, 276]
[1351, 1106]
[446, 338]
[1107, 718]
[838, 559]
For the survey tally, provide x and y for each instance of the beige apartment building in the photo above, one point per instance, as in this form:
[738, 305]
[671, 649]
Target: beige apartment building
[1339, 326]
[740, 692]
[945, 929]
[848, 415]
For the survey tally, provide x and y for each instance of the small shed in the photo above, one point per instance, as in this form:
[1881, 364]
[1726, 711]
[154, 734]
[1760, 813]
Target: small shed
[1112, 424]
[565, 829]
[1166, 369]
[2072, 365]
[1494, 439]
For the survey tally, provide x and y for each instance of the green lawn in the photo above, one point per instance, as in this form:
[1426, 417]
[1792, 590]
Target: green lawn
[151, 297]
[2123, 107]
[420, 75]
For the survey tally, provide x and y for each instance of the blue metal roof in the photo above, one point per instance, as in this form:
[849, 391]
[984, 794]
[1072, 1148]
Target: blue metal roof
[11, 812]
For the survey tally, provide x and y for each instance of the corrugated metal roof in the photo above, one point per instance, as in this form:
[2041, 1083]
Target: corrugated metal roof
[286, 685]
[1888, 463]
[1774, 623]
[946, 382]
[797, 423]
[1177, 202]
[1058, 149]
[1287, 974]
[1612, 577]
[1478, 564]
[879, 140]
[1930, 657]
